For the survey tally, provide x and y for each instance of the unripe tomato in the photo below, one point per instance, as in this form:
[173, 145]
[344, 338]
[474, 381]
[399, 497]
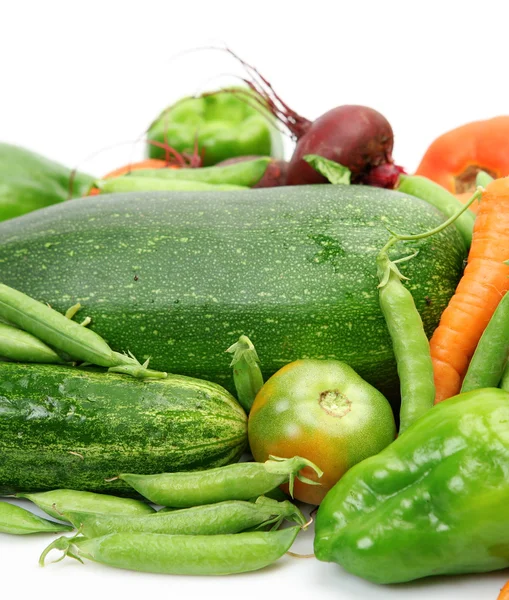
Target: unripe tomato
[323, 411]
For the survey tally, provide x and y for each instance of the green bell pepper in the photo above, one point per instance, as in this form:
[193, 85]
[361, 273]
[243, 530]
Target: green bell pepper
[434, 502]
[28, 181]
[225, 124]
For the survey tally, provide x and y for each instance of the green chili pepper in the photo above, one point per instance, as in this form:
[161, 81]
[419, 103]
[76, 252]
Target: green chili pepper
[131, 183]
[240, 481]
[223, 124]
[483, 179]
[17, 520]
[246, 173]
[180, 554]
[21, 346]
[212, 519]
[66, 335]
[57, 503]
[29, 181]
[247, 375]
[409, 342]
[490, 357]
[439, 197]
[434, 502]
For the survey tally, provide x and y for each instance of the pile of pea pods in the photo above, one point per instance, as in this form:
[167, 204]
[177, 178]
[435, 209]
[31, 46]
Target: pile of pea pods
[216, 522]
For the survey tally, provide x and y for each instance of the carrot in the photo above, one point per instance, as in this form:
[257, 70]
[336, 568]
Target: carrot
[465, 197]
[149, 163]
[504, 592]
[484, 282]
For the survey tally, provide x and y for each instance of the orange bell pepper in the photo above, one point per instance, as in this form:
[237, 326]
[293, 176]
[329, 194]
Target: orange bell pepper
[454, 159]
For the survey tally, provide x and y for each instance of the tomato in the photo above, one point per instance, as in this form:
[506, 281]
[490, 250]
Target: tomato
[323, 411]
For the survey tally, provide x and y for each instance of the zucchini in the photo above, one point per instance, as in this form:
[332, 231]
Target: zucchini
[62, 427]
[178, 277]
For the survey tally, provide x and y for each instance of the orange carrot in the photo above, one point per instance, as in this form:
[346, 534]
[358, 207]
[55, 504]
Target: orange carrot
[149, 163]
[484, 282]
[504, 592]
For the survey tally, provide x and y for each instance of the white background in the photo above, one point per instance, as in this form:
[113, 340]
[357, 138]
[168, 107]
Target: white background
[77, 77]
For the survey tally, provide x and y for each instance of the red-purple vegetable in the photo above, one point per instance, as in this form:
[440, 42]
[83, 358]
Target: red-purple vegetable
[358, 137]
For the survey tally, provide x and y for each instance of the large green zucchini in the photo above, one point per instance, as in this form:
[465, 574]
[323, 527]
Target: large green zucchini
[179, 276]
[62, 427]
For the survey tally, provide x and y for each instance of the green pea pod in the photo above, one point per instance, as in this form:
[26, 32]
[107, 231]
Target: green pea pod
[440, 198]
[57, 503]
[490, 357]
[132, 183]
[409, 342]
[223, 124]
[28, 181]
[483, 179]
[240, 481]
[66, 335]
[180, 554]
[434, 502]
[20, 346]
[211, 519]
[18, 521]
[247, 375]
[246, 173]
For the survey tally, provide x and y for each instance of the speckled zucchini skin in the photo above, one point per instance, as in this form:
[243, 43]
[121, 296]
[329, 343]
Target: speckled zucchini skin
[62, 427]
[179, 276]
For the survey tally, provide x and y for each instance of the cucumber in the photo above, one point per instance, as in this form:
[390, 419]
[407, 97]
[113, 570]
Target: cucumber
[178, 277]
[62, 427]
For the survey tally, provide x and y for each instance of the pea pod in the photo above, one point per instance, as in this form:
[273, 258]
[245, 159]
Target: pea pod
[409, 342]
[212, 519]
[440, 198]
[483, 179]
[240, 481]
[18, 521]
[180, 554]
[131, 183]
[247, 375]
[64, 334]
[57, 503]
[247, 173]
[490, 357]
[20, 346]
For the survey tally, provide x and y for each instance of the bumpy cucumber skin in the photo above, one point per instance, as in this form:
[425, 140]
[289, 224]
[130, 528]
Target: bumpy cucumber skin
[69, 428]
[179, 276]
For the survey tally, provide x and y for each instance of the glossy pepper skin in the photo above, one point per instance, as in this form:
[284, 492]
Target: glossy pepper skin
[434, 502]
[29, 181]
[224, 124]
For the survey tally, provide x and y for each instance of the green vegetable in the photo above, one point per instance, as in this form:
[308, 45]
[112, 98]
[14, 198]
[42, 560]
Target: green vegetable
[241, 481]
[18, 521]
[21, 346]
[337, 174]
[66, 335]
[483, 179]
[247, 375]
[57, 503]
[212, 519]
[223, 124]
[409, 341]
[434, 502]
[62, 427]
[437, 196]
[181, 554]
[28, 181]
[133, 183]
[490, 357]
[246, 173]
[175, 277]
